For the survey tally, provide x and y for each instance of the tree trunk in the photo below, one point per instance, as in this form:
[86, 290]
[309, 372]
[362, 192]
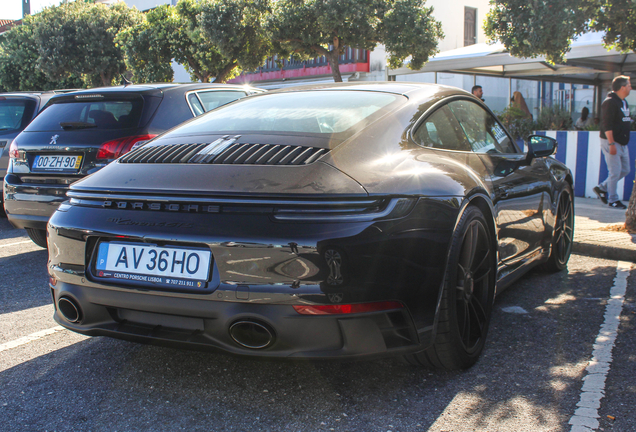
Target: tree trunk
[221, 77]
[630, 214]
[334, 61]
[107, 79]
[201, 76]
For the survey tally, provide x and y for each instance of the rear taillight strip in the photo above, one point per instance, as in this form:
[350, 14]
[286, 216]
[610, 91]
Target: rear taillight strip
[243, 201]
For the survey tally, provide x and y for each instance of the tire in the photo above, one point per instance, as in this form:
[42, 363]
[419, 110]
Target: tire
[467, 297]
[38, 236]
[563, 235]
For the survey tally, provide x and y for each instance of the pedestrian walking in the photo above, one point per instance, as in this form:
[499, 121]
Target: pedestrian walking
[615, 127]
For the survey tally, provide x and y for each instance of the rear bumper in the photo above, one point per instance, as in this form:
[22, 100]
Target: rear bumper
[260, 269]
[31, 205]
[205, 325]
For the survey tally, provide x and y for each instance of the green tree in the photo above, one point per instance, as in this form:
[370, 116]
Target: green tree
[79, 38]
[194, 50]
[537, 27]
[310, 28]
[531, 28]
[19, 70]
[237, 29]
[177, 33]
[617, 18]
[147, 48]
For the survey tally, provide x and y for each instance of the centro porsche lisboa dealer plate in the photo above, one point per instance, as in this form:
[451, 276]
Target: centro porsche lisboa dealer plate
[57, 163]
[149, 263]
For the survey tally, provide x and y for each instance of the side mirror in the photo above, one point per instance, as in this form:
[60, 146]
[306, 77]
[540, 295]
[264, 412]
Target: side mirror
[540, 146]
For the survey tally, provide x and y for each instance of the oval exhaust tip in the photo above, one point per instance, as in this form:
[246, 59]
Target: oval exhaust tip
[69, 309]
[251, 334]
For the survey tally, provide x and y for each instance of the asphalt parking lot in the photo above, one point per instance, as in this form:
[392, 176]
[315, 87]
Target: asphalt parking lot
[530, 378]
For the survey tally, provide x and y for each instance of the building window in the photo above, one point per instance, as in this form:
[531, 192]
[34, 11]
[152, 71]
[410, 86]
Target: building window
[470, 26]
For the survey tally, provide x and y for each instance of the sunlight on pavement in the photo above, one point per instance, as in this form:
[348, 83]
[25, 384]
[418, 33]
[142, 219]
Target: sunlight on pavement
[569, 370]
[18, 248]
[466, 408]
[55, 342]
[561, 299]
[30, 338]
[14, 325]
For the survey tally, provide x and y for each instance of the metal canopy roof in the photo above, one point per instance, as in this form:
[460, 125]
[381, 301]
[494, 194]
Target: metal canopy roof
[588, 62]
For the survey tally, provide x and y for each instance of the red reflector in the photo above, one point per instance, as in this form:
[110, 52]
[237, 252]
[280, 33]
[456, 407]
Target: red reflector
[13, 150]
[113, 149]
[52, 281]
[347, 308]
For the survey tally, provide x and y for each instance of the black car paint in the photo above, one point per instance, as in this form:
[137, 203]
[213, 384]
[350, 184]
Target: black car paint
[399, 259]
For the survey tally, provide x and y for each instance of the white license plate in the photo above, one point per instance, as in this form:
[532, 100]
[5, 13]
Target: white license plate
[60, 163]
[175, 266]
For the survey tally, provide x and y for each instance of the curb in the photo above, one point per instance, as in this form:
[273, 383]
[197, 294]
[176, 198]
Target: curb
[606, 252]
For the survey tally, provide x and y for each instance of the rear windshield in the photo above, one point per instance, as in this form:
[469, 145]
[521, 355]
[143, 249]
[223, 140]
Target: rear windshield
[319, 112]
[108, 114]
[15, 114]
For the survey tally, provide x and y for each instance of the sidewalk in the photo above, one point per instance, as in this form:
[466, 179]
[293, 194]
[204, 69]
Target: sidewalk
[591, 215]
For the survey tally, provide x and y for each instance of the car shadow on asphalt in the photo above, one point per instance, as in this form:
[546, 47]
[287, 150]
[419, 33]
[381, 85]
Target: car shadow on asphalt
[7, 231]
[531, 369]
[24, 281]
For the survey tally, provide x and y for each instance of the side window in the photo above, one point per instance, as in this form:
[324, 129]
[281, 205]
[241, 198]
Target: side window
[441, 130]
[484, 133]
[195, 104]
[214, 99]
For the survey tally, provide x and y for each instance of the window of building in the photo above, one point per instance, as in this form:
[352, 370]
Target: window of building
[470, 26]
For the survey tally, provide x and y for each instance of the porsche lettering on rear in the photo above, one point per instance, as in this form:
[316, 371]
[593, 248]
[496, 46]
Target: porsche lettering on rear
[140, 205]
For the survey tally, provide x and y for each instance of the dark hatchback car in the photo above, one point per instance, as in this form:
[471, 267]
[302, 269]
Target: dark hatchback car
[80, 132]
[340, 221]
[16, 112]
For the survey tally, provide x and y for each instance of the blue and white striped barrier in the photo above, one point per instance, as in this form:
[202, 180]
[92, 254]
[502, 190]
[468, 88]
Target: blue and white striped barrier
[581, 152]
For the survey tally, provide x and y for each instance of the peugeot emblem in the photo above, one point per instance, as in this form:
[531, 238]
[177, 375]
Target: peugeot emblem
[54, 139]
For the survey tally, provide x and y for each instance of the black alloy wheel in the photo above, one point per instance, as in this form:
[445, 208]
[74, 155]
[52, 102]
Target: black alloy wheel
[472, 286]
[467, 298]
[563, 235]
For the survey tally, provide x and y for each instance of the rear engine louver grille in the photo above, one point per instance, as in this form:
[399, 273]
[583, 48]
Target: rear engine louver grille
[235, 153]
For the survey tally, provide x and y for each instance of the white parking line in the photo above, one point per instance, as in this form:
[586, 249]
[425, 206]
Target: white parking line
[586, 417]
[30, 338]
[13, 244]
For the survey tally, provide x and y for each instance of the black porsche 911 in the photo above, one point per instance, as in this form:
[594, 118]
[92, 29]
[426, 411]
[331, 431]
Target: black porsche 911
[335, 221]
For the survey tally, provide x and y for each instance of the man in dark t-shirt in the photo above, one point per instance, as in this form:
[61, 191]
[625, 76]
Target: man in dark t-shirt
[615, 127]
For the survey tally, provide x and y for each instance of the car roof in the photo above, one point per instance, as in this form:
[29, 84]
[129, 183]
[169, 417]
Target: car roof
[403, 88]
[40, 97]
[34, 94]
[159, 87]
